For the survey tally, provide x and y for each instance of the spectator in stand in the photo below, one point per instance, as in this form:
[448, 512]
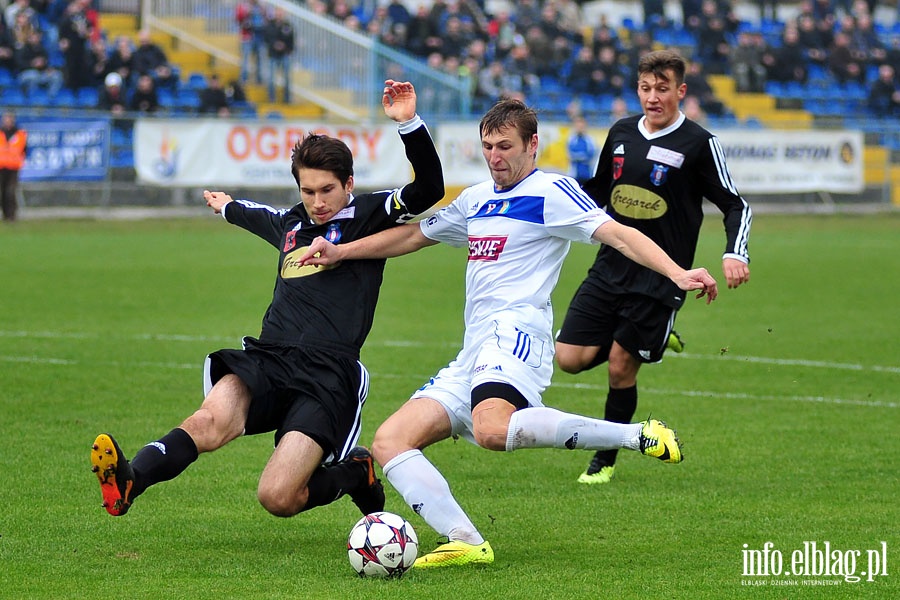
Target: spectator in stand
[582, 151]
[866, 41]
[638, 45]
[112, 96]
[693, 110]
[614, 75]
[618, 109]
[843, 62]
[520, 77]
[421, 38]
[786, 62]
[810, 39]
[214, 98]
[280, 47]
[713, 47]
[13, 147]
[884, 93]
[747, 62]
[691, 14]
[454, 40]
[698, 86]
[14, 8]
[22, 26]
[33, 70]
[605, 36]
[74, 43]
[398, 13]
[581, 77]
[98, 61]
[655, 15]
[251, 19]
[491, 84]
[121, 60]
[502, 34]
[150, 59]
[6, 47]
[144, 98]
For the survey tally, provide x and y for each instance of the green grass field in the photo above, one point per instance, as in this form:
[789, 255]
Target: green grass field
[786, 399]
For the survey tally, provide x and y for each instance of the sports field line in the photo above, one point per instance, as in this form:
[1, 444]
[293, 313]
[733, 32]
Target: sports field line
[231, 341]
[36, 360]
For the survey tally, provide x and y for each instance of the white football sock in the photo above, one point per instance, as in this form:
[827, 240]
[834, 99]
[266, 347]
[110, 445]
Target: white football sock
[544, 427]
[428, 494]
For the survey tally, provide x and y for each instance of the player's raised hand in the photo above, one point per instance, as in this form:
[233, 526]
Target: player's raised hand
[699, 279]
[216, 200]
[320, 252]
[399, 100]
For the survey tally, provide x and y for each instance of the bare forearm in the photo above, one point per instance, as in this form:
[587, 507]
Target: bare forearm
[389, 243]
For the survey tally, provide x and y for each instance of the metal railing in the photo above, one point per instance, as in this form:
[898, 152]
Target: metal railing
[338, 69]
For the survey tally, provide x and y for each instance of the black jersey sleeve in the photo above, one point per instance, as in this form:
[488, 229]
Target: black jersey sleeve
[260, 219]
[427, 187]
[719, 189]
[598, 186]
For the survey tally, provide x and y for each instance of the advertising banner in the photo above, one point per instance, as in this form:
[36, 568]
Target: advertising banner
[66, 150]
[218, 154]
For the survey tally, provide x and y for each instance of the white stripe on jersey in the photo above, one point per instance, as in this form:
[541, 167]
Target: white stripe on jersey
[721, 168]
[257, 205]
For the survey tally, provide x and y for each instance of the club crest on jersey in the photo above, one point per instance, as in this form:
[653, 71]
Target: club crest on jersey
[290, 241]
[618, 164]
[333, 234]
[488, 247]
[659, 174]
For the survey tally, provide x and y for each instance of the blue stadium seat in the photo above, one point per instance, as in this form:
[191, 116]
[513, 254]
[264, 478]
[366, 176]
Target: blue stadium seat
[87, 97]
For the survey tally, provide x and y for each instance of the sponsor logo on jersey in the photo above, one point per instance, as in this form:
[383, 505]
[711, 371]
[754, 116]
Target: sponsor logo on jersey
[659, 174]
[637, 202]
[346, 213]
[620, 149]
[291, 268]
[487, 247]
[333, 234]
[618, 165]
[572, 442]
[645, 354]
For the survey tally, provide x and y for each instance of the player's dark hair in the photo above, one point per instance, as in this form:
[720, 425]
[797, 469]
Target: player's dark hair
[324, 153]
[660, 61]
[510, 112]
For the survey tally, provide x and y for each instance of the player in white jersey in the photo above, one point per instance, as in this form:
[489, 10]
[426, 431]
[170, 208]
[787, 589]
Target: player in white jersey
[518, 228]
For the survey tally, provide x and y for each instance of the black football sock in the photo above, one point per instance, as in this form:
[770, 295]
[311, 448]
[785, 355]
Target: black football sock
[621, 405]
[327, 484]
[162, 460]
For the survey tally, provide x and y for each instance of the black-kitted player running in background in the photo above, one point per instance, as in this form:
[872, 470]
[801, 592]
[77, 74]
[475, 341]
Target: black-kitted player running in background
[302, 378]
[653, 173]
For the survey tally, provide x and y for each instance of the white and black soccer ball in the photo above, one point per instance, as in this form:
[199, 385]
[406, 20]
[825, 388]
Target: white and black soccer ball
[382, 544]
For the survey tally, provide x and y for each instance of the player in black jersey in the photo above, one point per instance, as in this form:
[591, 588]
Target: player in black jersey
[653, 173]
[302, 377]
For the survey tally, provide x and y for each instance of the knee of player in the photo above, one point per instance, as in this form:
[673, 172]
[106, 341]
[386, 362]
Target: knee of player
[278, 502]
[490, 437]
[569, 364]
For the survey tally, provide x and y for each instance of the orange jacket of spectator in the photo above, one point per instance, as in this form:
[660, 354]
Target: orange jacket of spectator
[12, 150]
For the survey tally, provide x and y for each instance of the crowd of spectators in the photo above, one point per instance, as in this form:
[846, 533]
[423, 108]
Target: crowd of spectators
[52, 47]
[534, 48]
[541, 44]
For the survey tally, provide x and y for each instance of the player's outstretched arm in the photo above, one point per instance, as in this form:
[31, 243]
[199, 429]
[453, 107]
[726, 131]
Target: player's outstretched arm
[389, 243]
[216, 200]
[399, 100]
[641, 249]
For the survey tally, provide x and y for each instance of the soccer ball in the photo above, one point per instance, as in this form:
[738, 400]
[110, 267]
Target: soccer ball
[382, 544]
